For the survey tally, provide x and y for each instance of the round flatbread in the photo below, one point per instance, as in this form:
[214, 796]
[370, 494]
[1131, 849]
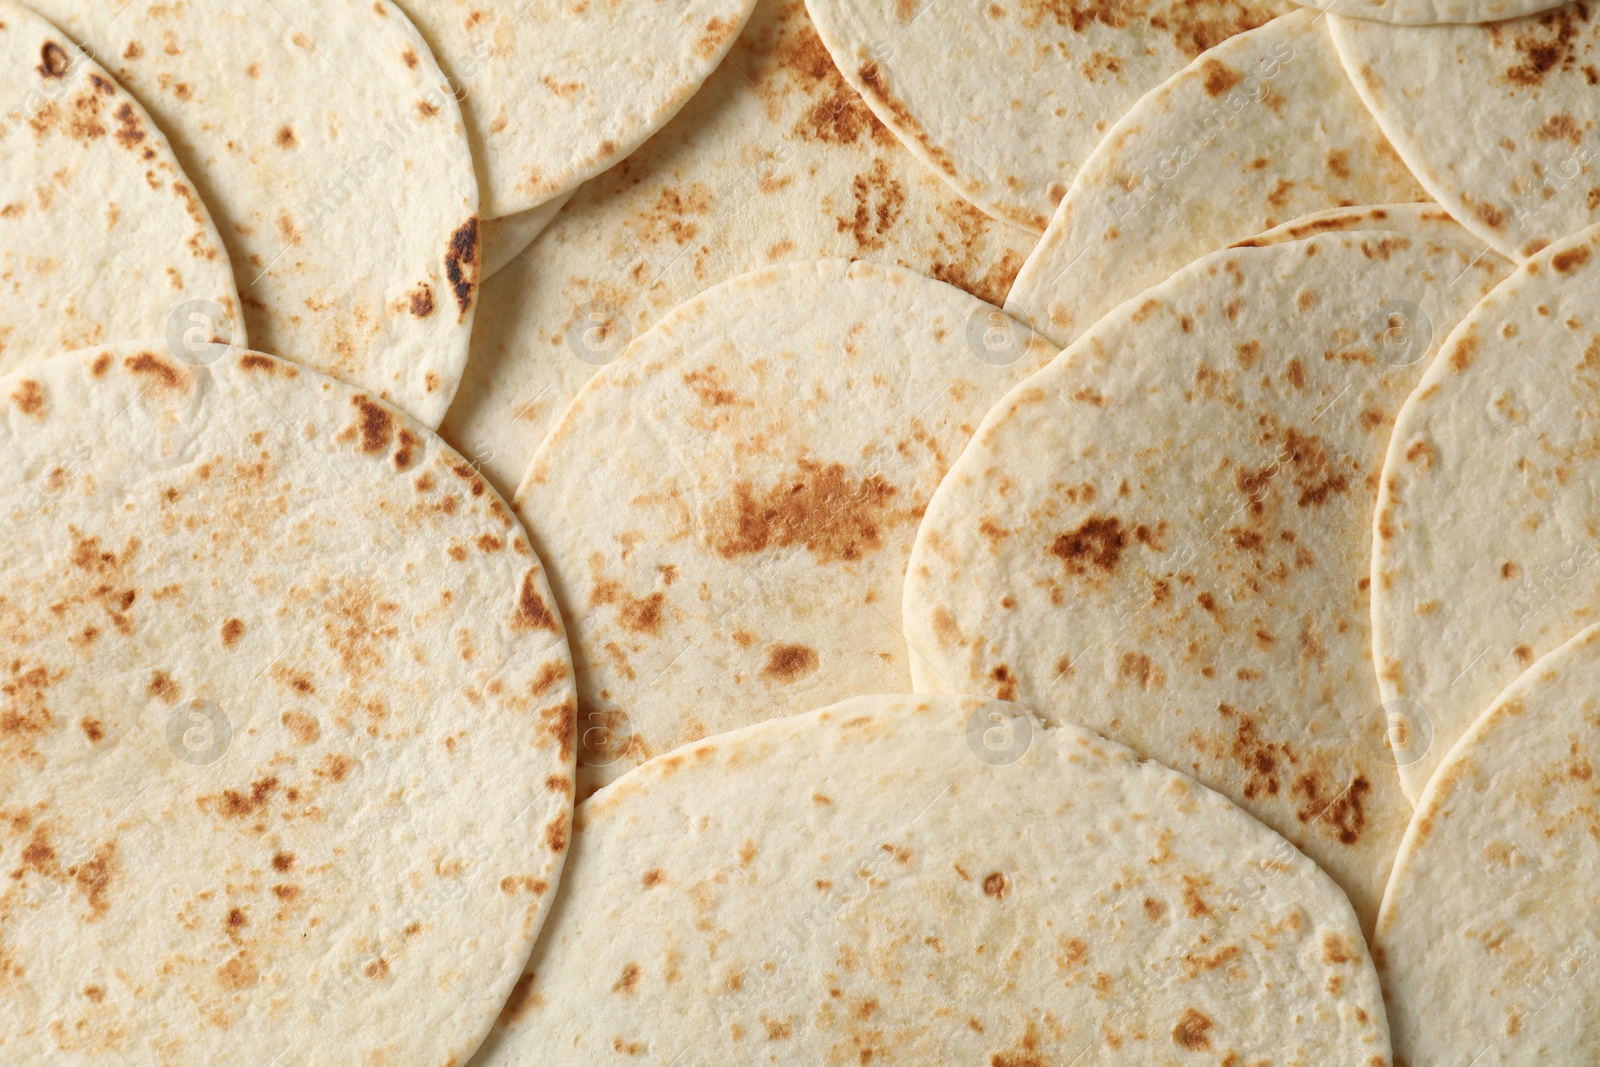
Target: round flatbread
[1006, 102]
[718, 555]
[101, 234]
[505, 238]
[1520, 174]
[1487, 530]
[555, 92]
[1488, 930]
[285, 723]
[1429, 12]
[1165, 533]
[856, 885]
[1262, 129]
[332, 154]
[775, 160]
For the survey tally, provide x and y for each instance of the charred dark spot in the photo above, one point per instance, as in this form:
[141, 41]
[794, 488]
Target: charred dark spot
[1098, 542]
[53, 61]
[461, 263]
[422, 301]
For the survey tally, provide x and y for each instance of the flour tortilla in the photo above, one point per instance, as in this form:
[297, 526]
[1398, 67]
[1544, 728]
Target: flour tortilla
[857, 885]
[1429, 12]
[1005, 102]
[285, 725]
[1262, 129]
[1165, 533]
[776, 159]
[727, 510]
[1425, 221]
[1487, 535]
[331, 152]
[555, 92]
[1520, 171]
[1488, 927]
[505, 238]
[101, 234]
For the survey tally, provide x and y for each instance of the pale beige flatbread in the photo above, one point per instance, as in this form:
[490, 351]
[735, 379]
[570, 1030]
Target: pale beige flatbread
[330, 150]
[1006, 101]
[727, 510]
[1262, 129]
[101, 234]
[1497, 122]
[1428, 12]
[505, 238]
[554, 92]
[1489, 931]
[1488, 523]
[861, 885]
[776, 159]
[285, 723]
[1165, 534]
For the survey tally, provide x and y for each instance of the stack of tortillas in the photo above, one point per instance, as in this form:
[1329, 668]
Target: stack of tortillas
[804, 532]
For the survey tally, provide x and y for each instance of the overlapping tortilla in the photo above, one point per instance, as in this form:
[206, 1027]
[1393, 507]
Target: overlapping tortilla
[1488, 521]
[727, 510]
[331, 152]
[1496, 121]
[101, 234]
[1262, 129]
[285, 723]
[1165, 534]
[776, 159]
[875, 883]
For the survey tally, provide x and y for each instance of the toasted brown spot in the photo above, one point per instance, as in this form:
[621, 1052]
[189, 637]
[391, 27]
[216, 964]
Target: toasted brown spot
[1098, 542]
[461, 264]
[422, 301]
[28, 397]
[628, 981]
[91, 729]
[145, 363]
[1219, 77]
[786, 663]
[995, 886]
[53, 61]
[821, 508]
[377, 427]
[232, 630]
[555, 833]
[532, 613]
[1193, 1031]
[1571, 259]
[521, 999]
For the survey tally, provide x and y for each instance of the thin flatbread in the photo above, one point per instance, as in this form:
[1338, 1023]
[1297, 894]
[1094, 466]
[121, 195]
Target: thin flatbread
[331, 152]
[1430, 12]
[853, 885]
[1488, 931]
[1497, 121]
[1165, 534]
[1262, 129]
[1005, 102]
[505, 238]
[1488, 520]
[286, 758]
[101, 234]
[719, 555]
[776, 159]
[554, 92]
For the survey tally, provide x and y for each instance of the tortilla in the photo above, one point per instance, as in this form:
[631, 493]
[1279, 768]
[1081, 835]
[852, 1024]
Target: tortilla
[719, 553]
[505, 238]
[101, 235]
[776, 159]
[322, 136]
[1006, 103]
[1262, 129]
[1488, 925]
[1428, 12]
[1165, 534]
[856, 885]
[1520, 173]
[1486, 522]
[285, 725]
[555, 92]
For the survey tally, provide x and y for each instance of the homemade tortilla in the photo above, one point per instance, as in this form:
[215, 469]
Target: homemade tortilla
[1497, 122]
[848, 886]
[720, 553]
[1005, 102]
[1262, 129]
[1487, 528]
[1488, 930]
[776, 159]
[1165, 534]
[285, 725]
[101, 234]
[554, 92]
[331, 152]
